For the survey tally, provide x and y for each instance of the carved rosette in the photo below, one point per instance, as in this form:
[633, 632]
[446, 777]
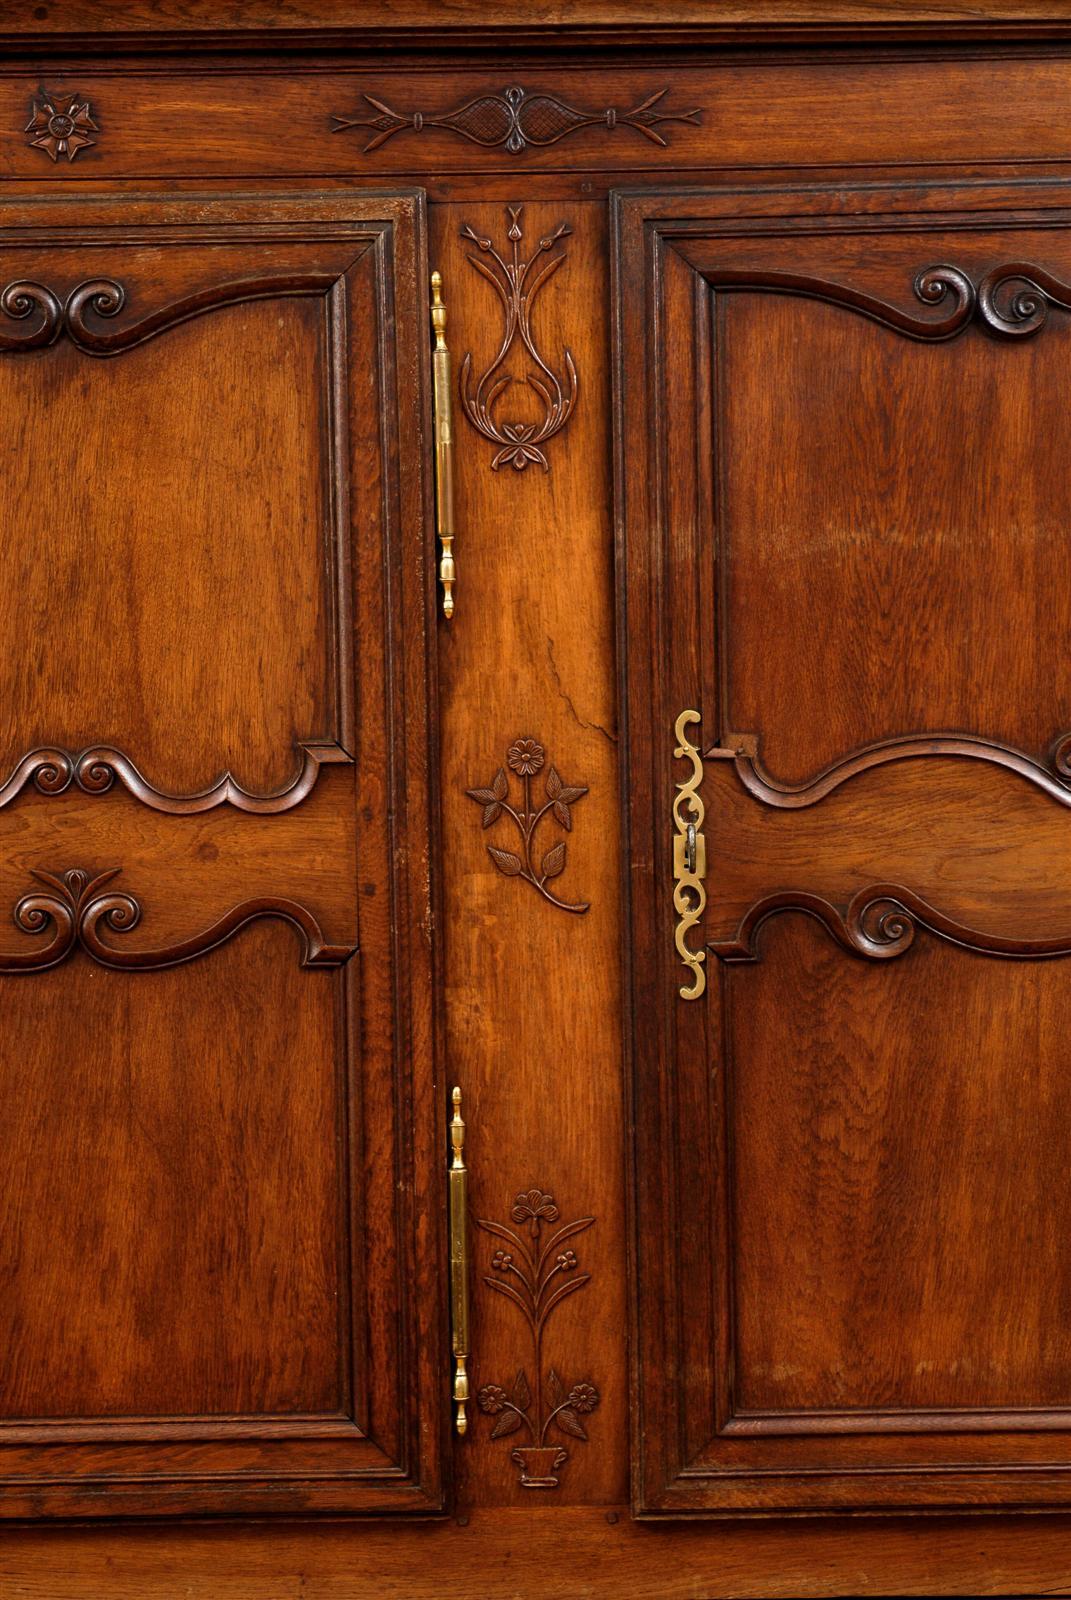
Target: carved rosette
[61, 124]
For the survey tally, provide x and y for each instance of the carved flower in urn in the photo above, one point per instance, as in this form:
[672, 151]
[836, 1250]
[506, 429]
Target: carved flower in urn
[61, 124]
[525, 757]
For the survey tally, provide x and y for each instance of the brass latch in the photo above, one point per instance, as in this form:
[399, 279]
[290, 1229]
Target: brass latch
[689, 858]
[444, 445]
[459, 1263]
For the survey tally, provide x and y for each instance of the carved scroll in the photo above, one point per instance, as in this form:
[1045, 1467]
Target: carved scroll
[96, 770]
[76, 910]
[46, 316]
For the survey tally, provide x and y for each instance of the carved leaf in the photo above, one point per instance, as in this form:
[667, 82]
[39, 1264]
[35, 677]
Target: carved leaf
[569, 1422]
[564, 815]
[506, 861]
[554, 784]
[483, 797]
[491, 813]
[554, 861]
[508, 1422]
[522, 1395]
[570, 793]
[557, 1389]
[500, 784]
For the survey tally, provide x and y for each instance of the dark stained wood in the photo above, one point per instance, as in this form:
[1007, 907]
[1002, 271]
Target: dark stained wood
[222, 1221]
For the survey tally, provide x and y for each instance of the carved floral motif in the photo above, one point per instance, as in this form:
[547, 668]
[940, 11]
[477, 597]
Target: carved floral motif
[61, 124]
[526, 757]
[515, 118]
[536, 1275]
[517, 283]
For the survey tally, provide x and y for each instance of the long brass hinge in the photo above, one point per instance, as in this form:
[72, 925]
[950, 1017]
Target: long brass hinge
[689, 858]
[459, 1263]
[444, 445]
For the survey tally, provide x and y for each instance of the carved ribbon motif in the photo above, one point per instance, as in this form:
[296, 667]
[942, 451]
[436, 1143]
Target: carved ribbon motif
[517, 286]
[76, 909]
[514, 118]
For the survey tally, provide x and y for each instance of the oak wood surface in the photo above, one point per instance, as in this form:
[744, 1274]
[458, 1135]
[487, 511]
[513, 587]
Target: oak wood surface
[828, 1380]
[533, 1005]
[223, 1240]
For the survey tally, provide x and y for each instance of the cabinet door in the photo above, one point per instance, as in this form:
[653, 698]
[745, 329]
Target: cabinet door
[845, 546]
[219, 1214]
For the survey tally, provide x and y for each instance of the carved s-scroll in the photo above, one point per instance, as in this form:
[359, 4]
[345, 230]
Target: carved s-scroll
[76, 909]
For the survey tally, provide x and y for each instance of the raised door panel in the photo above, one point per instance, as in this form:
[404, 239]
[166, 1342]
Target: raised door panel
[844, 503]
[220, 1226]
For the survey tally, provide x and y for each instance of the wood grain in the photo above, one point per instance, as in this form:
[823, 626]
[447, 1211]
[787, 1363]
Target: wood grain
[931, 1386]
[223, 1239]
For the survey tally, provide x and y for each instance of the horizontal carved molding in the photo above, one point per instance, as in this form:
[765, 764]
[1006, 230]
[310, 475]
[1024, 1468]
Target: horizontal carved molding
[74, 910]
[879, 923]
[743, 751]
[1011, 300]
[515, 119]
[96, 770]
[45, 316]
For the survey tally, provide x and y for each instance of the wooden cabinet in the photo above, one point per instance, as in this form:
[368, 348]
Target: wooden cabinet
[714, 848]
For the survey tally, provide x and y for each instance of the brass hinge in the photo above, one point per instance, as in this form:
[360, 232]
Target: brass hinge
[444, 445]
[689, 858]
[457, 1179]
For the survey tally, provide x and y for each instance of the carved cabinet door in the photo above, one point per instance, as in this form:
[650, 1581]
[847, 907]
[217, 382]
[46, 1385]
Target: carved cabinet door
[844, 554]
[220, 1222]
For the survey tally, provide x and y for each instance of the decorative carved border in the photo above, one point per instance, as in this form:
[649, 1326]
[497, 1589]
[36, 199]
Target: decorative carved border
[47, 316]
[519, 442]
[536, 1276]
[75, 908]
[96, 770]
[515, 118]
[742, 749]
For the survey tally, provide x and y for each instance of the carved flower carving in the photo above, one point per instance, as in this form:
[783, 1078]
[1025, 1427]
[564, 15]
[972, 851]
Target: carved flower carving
[491, 1399]
[525, 757]
[533, 1208]
[61, 124]
[583, 1397]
